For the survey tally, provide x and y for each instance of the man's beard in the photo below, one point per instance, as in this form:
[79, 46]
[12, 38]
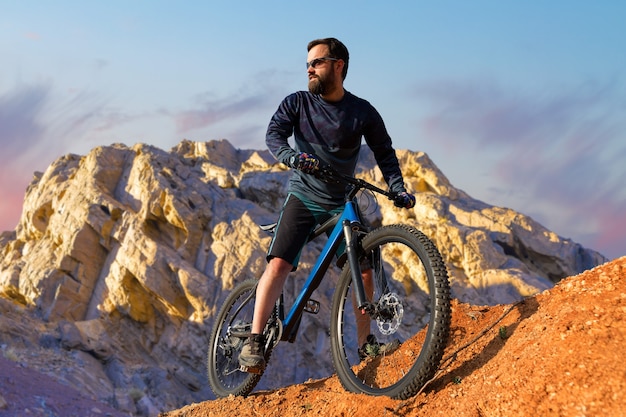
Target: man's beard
[317, 86]
[321, 84]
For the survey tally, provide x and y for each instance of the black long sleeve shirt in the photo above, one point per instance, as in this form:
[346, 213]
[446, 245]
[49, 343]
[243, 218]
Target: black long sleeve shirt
[333, 132]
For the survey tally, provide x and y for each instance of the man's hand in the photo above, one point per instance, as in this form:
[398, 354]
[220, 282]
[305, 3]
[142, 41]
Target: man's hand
[306, 162]
[404, 200]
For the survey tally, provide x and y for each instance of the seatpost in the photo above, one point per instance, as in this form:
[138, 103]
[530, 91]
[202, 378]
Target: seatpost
[353, 258]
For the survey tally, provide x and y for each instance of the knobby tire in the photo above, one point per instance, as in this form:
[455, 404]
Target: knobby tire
[414, 332]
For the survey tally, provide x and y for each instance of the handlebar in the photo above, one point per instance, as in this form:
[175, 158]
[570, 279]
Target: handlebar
[328, 174]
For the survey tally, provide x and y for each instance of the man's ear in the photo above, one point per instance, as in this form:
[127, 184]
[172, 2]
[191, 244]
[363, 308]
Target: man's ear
[339, 65]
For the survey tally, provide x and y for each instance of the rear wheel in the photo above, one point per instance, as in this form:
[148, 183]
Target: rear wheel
[232, 326]
[410, 322]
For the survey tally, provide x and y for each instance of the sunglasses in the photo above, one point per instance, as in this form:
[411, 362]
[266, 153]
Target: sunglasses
[314, 63]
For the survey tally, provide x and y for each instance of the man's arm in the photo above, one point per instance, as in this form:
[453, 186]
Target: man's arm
[379, 142]
[280, 128]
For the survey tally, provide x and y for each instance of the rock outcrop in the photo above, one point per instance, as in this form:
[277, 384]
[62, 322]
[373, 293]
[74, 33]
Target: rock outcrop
[125, 255]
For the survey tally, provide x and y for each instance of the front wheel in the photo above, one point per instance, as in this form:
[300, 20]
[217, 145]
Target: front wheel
[408, 324]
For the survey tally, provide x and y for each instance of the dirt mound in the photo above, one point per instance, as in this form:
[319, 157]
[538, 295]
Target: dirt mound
[558, 353]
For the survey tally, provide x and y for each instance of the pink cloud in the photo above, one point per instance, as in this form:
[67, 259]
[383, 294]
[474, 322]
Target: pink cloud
[211, 112]
[35, 129]
[32, 36]
[612, 230]
[13, 185]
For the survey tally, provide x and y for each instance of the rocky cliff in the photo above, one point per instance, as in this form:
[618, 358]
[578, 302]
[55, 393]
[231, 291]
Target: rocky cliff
[121, 258]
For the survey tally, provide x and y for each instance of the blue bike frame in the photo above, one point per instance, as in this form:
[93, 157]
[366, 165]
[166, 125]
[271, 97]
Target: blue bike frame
[346, 226]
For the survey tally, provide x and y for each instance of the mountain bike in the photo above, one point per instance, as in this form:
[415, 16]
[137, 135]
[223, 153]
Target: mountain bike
[409, 311]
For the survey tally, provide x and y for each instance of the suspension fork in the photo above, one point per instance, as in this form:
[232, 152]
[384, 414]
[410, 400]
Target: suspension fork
[351, 232]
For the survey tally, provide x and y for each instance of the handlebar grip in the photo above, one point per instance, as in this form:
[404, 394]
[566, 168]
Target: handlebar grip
[327, 173]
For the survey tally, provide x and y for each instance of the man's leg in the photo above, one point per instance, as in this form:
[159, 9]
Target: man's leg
[267, 292]
[363, 320]
[252, 356]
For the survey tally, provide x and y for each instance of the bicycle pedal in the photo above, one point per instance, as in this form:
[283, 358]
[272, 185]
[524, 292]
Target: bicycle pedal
[312, 306]
[250, 370]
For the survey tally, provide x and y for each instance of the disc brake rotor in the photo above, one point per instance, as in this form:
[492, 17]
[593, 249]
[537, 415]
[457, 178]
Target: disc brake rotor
[391, 304]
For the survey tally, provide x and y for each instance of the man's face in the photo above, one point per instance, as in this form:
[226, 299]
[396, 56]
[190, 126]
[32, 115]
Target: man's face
[322, 76]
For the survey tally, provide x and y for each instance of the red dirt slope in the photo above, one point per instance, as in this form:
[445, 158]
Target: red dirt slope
[560, 353]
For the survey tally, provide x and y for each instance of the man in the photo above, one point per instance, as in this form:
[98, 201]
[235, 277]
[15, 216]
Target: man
[327, 123]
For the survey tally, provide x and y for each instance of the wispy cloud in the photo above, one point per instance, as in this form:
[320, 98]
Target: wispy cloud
[565, 148]
[261, 93]
[38, 124]
[20, 124]
[35, 128]
[209, 112]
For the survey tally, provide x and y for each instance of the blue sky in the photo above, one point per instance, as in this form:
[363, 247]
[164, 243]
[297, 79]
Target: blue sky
[521, 104]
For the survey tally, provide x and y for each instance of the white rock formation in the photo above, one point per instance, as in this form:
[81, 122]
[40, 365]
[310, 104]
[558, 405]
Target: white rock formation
[131, 250]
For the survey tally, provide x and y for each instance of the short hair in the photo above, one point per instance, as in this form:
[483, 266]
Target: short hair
[336, 49]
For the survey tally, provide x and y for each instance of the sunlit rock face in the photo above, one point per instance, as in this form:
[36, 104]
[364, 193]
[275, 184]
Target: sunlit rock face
[126, 253]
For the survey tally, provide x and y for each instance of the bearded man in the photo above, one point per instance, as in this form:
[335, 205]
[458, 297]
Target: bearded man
[327, 123]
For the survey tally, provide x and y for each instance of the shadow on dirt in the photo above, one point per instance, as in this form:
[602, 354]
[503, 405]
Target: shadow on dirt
[526, 308]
